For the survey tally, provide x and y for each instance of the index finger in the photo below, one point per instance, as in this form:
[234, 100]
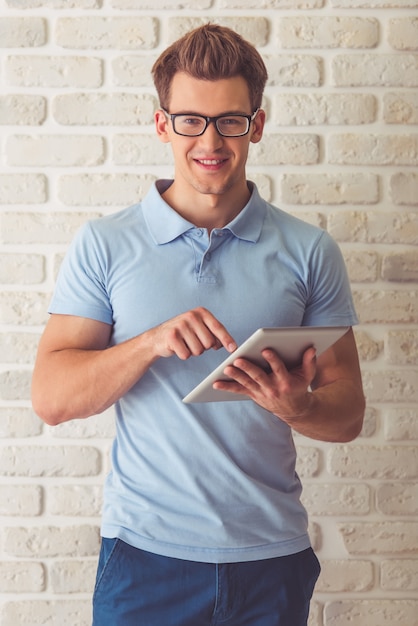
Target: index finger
[219, 331]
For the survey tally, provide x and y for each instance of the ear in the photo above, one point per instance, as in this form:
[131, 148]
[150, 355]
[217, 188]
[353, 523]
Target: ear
[258, 126]
[161, 126]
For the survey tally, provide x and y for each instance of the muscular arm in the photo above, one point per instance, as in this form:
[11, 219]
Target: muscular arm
[77, 374]
[332, 411]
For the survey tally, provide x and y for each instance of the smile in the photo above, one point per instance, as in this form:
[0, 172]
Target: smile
[210, 161]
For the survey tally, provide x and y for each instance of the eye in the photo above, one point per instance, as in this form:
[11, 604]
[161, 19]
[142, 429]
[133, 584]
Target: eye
[189, 120]
[231, 121]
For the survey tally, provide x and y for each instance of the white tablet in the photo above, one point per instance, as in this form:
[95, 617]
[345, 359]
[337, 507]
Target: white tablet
[289, 342]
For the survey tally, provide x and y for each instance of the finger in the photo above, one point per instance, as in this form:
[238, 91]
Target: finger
[231, 386]
[309, 363]
[219, 332]
[275, 362]
[246, 373]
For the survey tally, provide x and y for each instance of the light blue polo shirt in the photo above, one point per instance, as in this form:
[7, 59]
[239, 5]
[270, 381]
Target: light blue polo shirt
[211, 482]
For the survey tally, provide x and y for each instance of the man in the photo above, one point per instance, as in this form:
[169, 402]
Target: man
[202, 522]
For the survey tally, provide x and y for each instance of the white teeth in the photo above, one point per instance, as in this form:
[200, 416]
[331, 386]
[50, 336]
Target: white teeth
[210, 161]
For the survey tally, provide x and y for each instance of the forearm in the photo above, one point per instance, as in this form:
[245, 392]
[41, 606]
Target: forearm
[330, 413]
[75, 383]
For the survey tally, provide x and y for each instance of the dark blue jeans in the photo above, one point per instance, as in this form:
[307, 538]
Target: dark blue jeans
[138, 588]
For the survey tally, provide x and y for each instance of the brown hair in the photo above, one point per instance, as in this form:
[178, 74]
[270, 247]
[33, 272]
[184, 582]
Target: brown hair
[211, 52]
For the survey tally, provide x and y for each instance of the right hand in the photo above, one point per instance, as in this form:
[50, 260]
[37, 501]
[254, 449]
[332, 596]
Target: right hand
[190, 334]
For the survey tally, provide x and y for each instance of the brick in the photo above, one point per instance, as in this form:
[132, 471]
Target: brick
[22, 109]
[25, 269]
[22, 32]
[73, 576]
[371, 612]
[46, 228]
[54, 71]
[22, 577]
[16, 347]
[22, 189]
[386, 306]
[327, 32]
[278, 149]
[336, 499]
[366, 462]
[403, 33]
[308, 461]
[374, 4]
[391, 386]
[75, 500]
[315, 614]
[264, 184]
[368, 348]
[132, 71]
[55, 150]
[103, 189]
[286, 70]
[312, 217]
[97, 426]
[330, 109]
[399, 575]
[15, 385]
[62, 612]
[51, 541]
[374, 227]
[344, 576]
[397, 499]
[160, 5]
[98, 109]
[400, 266]
[380, 538]
[330, 188]
[24, 308]
[50, 461]
[315, 535]
[375, 70]
[369, 423]
[404, 188]
[271, 4]
[355, 149]
[141, 150]
[400, 108]
[121, 33]
[362, 266]
[19, 422]
[254, 29]
[20, 500]
[55, 4]
[401, 424]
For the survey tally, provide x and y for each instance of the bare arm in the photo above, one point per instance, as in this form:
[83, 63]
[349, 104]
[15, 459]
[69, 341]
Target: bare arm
[333, 411]
[77, 375]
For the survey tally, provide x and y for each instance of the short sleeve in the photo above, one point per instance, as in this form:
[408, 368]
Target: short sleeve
[81, 284]
[330, 301]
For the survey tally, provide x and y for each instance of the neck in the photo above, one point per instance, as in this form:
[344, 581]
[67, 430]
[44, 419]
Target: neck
[207, 210]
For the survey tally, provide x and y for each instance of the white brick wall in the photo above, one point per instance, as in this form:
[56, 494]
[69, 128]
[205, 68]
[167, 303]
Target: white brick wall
[341, 150]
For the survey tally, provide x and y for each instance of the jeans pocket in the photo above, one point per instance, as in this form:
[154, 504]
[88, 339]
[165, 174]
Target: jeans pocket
[108, 551]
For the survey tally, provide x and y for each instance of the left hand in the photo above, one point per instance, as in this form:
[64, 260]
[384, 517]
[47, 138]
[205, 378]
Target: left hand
[280, 391]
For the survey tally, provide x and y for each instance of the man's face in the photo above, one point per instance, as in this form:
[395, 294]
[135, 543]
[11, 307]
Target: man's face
[210, 163]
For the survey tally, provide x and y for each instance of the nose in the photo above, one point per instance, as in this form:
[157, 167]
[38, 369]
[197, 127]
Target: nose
[211, 137]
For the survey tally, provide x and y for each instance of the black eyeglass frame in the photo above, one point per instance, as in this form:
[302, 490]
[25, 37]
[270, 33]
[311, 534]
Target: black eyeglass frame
[208, 120]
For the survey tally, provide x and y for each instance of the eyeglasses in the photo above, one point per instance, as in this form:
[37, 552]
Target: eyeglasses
[193, 125]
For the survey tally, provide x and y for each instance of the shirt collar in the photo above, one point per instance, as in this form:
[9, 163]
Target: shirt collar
[165, 224]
